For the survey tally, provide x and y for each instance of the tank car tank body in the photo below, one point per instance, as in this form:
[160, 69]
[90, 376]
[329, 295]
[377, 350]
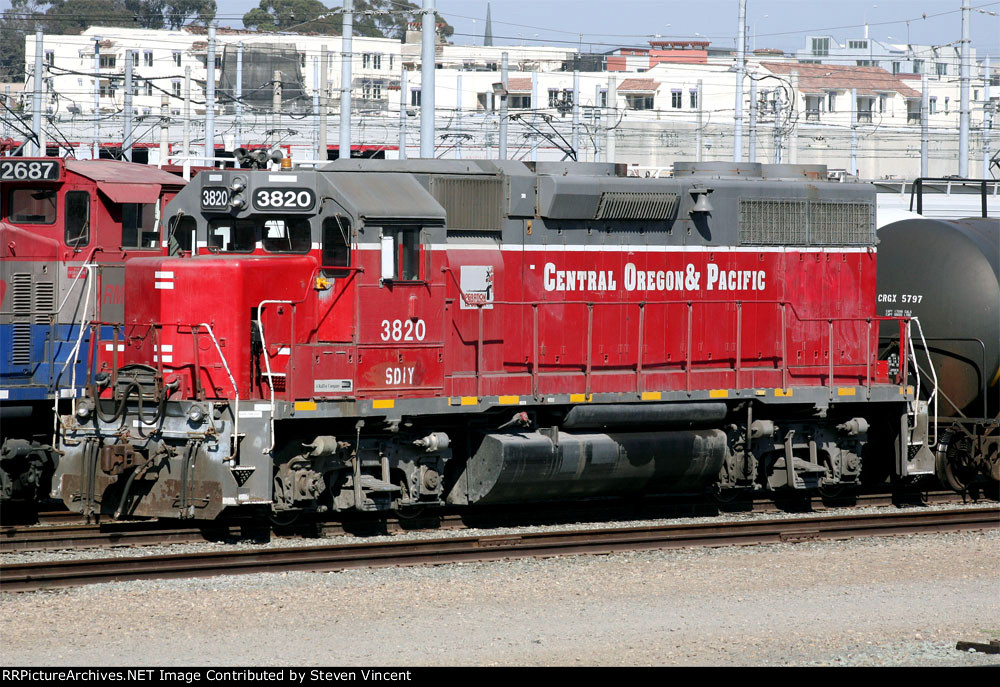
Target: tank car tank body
[373, 335]
[946, 274]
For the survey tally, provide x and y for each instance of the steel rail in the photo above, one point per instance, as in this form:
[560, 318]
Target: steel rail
[75, 534]
[52, 574]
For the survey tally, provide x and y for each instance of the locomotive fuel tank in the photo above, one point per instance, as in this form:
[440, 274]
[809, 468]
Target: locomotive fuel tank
[945, 272]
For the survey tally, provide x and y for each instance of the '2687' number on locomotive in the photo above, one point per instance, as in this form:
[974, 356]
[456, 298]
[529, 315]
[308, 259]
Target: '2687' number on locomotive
[403, 330]
[25, 170]
[283, 199]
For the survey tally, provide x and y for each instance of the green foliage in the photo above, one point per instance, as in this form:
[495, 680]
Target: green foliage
[300, 16]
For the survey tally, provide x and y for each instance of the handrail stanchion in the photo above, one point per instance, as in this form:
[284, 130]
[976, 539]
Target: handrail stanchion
[590, 346]
[739, 341]
[829, 345]
[479, 353]
[784, 350]
[642, 333]
[534, 342]
[868, 361]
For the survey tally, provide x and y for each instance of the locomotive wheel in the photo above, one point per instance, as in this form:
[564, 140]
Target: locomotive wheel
[956, 469]
[285, 518]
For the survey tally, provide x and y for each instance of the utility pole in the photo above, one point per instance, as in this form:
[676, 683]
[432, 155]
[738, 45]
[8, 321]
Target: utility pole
[964, 115]
[458, 117]
[752, 157]
[533, 137]
[699, 122]
[777, 127]
[987, 120]
[36, 102]
[576, 113]
[402, 115]
[612, 117]
[187, 114]
[317, 116]
[503, 107]
[793, 131]
[854, 131]
[127, 128]
[740, 70]
[346, 57]
[164, 129]
[924, 112]
[210, 98]
[97, 97]
[324, 105]
[275, 109]
[427, 68]
[597, 123]
[239, 96]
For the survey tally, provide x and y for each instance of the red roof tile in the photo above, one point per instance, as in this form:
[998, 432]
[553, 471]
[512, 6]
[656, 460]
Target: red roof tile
[644, 85]
[816, 78]
[519, 84]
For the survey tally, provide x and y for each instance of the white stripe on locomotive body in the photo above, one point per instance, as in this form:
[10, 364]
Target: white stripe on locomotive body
[163, 285]
[163, 275]
[282, 179]
[635, 248]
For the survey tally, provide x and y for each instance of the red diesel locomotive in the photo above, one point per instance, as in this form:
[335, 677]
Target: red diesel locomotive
[376, 335]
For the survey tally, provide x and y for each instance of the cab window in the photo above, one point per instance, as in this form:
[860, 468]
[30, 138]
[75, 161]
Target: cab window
[139, 226]
[230, 235]
[181, 233]
[77, 218]
[336, 246]
[32, 206]
[291, 235]
[406, 245]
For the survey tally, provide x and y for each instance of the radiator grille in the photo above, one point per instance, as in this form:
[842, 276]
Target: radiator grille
[21, 294]
[773, 222]
[45, 302]
[636, 205]
[840, 223]
[472, 203]
[801, 222]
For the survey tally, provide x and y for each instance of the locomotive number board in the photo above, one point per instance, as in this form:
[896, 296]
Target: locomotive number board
[30, 170]
[215, 198]
[287, 199]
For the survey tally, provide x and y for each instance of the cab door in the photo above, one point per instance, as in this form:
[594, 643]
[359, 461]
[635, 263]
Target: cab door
[401, 316]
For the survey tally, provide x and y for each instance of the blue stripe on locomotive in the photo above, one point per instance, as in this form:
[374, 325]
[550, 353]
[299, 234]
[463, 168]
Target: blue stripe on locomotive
[43, 377]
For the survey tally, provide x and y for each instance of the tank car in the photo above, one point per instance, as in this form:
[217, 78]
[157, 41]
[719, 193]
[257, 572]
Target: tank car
[67, 227]
[944, 273]
[375, 335]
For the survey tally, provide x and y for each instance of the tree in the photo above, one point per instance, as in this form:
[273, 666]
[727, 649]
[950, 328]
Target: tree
[300, 16]
[179, 11]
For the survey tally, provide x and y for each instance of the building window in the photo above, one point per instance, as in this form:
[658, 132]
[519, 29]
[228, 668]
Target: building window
[895, 67]
[831, 102]
[521, 101]
[947, 100]
[366, 60]
[177, 58]
[302, 60]
[149, 87]
[604, 97]
[108, 61]
[857, 45]
[820, 47]
[918, 66]
[864, 105]
[676, 100]
[50, 57]
[147, 58]
[865, 63]
[175, 86]
[933, 109]
[813, 105]
[693, 98]
[415, 97]
[135, 58]
[377, 61]
[107, 89]
[942, 68]
[883, 102]
[553, 97]
[390, 62]
[218, 61]
[639, 102]
[913, 111]
[135, 87]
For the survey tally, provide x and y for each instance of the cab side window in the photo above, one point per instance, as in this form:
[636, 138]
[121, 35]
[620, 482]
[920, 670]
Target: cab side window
[139, 226]
[336, 246]
[181, 232]
[406, 244]
[77, 213]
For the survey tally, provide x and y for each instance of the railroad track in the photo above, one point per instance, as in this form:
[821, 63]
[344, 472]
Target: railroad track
[53, 574]
[62, 530]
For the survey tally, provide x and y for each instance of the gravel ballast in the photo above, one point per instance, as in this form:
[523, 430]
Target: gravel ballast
[870, 601]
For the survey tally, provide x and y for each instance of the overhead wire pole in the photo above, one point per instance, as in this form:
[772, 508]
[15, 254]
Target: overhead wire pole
[924, 111]
[597, 123]
[854, 131]
[97, 97]
[346, 57]
[317, 115]
[987, 119]
[458, 117]
[699, 123]
[752, 155]
[964, 116]
[402, 115]
[576, 112]
[239, 96]
[187, 114]
[127, 129]
[503, 106]
[275, 109]
[535, 106]
[740, 69]
[611, 104]
[210, 98]
[427, 67]
[36, 101]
